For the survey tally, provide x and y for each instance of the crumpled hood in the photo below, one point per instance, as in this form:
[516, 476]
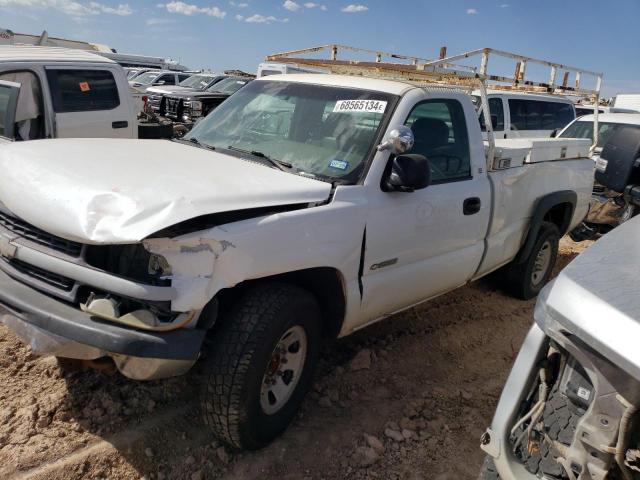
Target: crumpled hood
[121, 191]
[597, 297]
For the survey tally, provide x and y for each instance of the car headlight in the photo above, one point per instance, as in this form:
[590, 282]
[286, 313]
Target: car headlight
[196, 106]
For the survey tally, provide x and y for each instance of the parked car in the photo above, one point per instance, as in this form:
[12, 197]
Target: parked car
[48, 92]
[156, 78]
[188, 107]
[569, 407]
[582, 110]
[609, 206]
[196, 83]
[303, 207]
[526, 115]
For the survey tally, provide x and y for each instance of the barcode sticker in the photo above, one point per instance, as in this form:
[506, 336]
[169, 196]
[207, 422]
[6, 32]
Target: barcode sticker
[360, 106]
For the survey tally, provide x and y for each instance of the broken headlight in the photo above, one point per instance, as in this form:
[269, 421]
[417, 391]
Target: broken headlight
[130, 261]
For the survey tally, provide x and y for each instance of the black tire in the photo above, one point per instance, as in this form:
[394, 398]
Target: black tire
[518, 276]
[488, 471]
[242, 351]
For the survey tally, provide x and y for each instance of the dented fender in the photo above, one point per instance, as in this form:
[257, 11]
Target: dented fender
[207, 261]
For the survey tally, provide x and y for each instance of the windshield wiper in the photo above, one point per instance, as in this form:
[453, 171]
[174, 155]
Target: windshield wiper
[194, 141]
[284, 166]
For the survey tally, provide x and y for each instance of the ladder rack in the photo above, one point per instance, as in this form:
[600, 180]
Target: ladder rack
[446, 72]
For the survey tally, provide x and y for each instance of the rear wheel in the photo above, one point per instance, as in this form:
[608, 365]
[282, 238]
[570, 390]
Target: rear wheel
[526, 278]
[261, 365]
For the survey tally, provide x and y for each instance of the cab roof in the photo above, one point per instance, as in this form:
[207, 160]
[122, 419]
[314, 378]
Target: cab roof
[30, 53]
[626, 118]
[348, 81]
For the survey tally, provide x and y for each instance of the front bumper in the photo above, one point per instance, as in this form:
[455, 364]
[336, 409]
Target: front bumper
[53, 327]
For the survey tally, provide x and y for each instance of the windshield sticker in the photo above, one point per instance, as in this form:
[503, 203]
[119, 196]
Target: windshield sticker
[360, 106]
[84, 86]
[339, 164]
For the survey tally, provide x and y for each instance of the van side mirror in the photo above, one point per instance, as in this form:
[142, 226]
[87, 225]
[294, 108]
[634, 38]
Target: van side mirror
[407, 173]
[554, 134]
[160, 82]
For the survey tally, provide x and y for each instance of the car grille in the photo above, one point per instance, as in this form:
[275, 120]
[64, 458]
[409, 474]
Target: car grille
[29, 232]
[171, 107]
[57, 281]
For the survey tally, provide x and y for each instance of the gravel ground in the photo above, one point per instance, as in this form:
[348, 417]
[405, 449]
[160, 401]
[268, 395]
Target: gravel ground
[406, 398]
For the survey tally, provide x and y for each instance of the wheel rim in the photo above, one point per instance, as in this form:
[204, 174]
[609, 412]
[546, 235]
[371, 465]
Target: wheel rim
[283, 370]
[541, 264]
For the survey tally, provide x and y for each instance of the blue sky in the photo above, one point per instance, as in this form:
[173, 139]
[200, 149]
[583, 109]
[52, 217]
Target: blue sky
[222, 34]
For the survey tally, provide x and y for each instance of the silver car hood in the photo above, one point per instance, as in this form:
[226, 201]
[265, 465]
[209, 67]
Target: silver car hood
[597, 297]
[121, 191]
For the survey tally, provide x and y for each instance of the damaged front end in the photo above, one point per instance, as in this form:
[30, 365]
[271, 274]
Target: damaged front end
[138, 303]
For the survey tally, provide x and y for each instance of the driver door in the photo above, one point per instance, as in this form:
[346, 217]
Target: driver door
[9, 92]
[429, 241]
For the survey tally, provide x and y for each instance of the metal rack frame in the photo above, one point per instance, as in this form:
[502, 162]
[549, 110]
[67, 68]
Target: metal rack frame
[445, 72]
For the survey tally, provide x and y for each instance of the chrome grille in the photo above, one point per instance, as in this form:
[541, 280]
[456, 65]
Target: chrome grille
[29, 232]
[171, 108]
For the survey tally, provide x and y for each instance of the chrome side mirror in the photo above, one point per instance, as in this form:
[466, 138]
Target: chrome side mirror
[399, 140]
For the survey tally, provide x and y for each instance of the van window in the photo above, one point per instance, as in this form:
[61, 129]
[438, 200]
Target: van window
[495, 109]
[440, 131]
[539, 115]
[82, 90]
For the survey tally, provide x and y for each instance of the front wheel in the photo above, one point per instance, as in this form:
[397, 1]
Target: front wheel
[261, 365]
[526, 278]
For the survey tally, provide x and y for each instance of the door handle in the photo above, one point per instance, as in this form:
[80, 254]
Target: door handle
[120, 124]
[471, 205]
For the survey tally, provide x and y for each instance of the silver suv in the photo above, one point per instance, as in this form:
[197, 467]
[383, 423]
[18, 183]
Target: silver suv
[569, 408]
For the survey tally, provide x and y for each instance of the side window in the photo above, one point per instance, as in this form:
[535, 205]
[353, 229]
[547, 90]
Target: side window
[495, 110]
[167, 78]
[182, 77]
[440, 131]
[518, 114]
[564, 115]
[29, 109]
[82, 90]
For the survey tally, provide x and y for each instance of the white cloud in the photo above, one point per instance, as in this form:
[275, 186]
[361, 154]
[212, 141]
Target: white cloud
[71, 7]
[504, 5]
[291, 5]
[238, 5]
[352, 8]
[315, 5]
[256, 18]
[323, 8]
[472, 11]
[188, 9]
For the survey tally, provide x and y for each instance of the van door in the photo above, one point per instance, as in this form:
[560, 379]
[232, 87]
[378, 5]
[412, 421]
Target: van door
[9, 92]
[87, 103]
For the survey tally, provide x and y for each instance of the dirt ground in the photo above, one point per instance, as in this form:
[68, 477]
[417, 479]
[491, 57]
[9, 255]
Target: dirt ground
[433, 373]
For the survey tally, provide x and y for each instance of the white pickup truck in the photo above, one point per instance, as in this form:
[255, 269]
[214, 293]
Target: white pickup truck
[49, 92]
[305, 206]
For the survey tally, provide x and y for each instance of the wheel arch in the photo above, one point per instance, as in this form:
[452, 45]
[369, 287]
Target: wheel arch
[557, 208]
[327, 284]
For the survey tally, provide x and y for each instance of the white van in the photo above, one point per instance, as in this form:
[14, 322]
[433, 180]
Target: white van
[526, 115]
[627, 100]
[48, 92]
[265, 69]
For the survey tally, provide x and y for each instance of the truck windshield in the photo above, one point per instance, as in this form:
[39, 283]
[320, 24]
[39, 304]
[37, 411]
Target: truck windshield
[584, 129]
[320, 130]
[196, 81]
[228, 85]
